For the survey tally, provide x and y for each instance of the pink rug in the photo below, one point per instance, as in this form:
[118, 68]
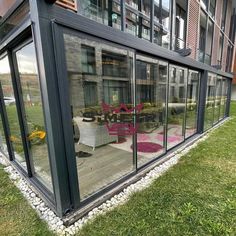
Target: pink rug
[143, 137]
[169, 138]
[147, 147]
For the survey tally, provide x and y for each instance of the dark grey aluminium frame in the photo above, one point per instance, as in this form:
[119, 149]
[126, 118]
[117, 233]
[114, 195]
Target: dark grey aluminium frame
[8, 51]
[46, 24]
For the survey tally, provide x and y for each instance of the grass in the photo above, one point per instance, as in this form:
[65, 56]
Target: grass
[16, 216]
[195, 197]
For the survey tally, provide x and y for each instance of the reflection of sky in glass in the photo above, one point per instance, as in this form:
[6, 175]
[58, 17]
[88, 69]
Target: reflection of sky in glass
[26, 60]
[166, 4]
[4, 66]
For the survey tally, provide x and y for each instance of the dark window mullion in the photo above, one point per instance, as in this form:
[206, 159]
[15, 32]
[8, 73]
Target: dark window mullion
[172, 15]
[186, 98]
[110, 13]
[5, 125]
[185, 25]
[123, 14]
[205, 44]
[152, 20]
[21, 112]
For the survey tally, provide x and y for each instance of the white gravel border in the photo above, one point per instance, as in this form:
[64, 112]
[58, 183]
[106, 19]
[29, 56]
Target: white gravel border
[56, 224]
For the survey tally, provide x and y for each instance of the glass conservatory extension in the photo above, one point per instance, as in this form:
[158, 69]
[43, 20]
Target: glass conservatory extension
[85, 108]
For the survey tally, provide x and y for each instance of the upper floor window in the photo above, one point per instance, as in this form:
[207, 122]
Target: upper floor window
[232, 25]
[95, 9]
[88, 59]
[209, 40]
[205, 38]
[180, 24]
[223, 15]
[146, 7]
[202, 36]
[212, 8]
[220, 49]
[230, 51]
[162, 22]
[204, 4]
[114, 64]
[209, 5]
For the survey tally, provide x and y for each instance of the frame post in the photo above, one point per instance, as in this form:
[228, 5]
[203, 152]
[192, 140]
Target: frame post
[202, 102]
[227, 110]
[63, 167]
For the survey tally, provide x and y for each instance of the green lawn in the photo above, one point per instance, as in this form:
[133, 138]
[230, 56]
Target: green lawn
[16, 216]
[195, 197]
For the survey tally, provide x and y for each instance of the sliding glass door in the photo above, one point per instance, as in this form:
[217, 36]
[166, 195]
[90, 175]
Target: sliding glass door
[100, 91]
[192, 103]
[176, 105]
[11, 115]
[32, 111]
[22, 127]
[151, 86]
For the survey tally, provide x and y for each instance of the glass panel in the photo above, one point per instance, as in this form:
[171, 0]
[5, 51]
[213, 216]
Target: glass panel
[204, 4]
[102, 111]
[212, 8]
[88, 60]
[3, 145]
[180, 24]
[209, 42]
[217, 99]
[151, 94]
[146, 7]
[202, 38]
[14, 20]
[166, 14]
[223, 98]
[95, 9]
[210, 96]
[165, 37]
[176, 106]
[30, 89]
[223, 16]
[131, 23]
[145, 29]
[192, 103]
[229, 58]
[220, 50]
[116, 15]
[157, 35]
[157, 11]
[161, 37]
[132, 3]
[12, 116]
[102, 11]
